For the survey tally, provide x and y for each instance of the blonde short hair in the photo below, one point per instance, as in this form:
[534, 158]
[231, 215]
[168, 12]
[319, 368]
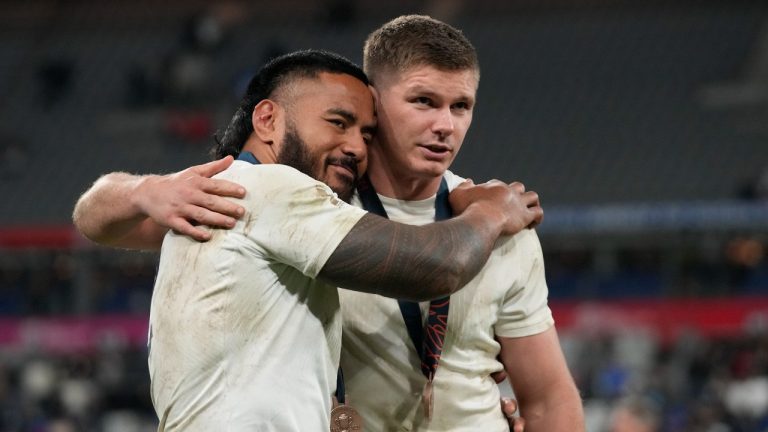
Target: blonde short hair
[417, 40]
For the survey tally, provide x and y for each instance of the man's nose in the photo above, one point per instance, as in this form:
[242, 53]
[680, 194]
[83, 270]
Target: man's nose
[355, 146]
[443, 125]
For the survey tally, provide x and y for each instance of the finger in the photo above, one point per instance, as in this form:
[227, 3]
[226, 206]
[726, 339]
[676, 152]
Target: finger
[217, 204]
[519, 424]
[531, 199]
[508, 406]
[538, 216]
[212, 168]
[203, 216]
[222, 188]
[183, 227]
[499, 376]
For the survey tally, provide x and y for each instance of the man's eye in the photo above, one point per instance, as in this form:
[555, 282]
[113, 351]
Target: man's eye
[461, 106]
[337, 123]
[423, 101]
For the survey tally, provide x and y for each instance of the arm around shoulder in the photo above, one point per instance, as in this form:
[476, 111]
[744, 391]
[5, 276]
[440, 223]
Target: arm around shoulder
[108, 214]
[411, 262]
[132, 211]
[430, 261]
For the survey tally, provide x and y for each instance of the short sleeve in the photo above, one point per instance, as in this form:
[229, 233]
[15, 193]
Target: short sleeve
[524, 310]
[293, 218]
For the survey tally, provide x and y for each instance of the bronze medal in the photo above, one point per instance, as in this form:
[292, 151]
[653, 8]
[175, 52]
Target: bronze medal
[344, 418]
[427, 401]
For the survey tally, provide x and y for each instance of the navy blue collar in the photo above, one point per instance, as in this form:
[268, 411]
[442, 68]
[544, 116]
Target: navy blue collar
[372, 203]
[248, 157]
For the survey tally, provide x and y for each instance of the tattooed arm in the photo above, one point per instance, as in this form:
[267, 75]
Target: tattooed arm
[424, 262]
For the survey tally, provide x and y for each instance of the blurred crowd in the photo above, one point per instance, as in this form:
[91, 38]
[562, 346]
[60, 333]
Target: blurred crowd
[106, 390]
[631, 380]
[47, 283]
[630, 383]
[56, 282]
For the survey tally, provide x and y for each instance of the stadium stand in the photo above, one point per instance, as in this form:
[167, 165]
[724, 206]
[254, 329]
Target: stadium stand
[618, 114]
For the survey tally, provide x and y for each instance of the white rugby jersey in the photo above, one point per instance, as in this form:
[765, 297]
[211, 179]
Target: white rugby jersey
[382, 376]
[242, 337]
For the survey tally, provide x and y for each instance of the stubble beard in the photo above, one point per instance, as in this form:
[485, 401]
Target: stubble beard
[295, 153]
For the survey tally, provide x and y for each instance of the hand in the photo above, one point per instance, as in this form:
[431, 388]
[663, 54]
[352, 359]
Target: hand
[515, 208]
[508, 408]
[501, 375]
[191, 197]
[534, 205]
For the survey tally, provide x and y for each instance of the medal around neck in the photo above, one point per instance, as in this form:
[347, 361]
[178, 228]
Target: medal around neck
[428, 402]
[344, 418]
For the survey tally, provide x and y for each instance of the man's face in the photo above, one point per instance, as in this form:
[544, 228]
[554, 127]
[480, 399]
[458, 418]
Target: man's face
[327, 129]
[424, 114]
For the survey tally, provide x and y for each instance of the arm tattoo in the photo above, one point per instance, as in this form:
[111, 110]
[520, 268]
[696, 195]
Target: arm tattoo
[409, 262]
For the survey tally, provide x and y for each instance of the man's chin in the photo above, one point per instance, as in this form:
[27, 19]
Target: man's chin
[344, 191]
[344, 194]
[430, 169]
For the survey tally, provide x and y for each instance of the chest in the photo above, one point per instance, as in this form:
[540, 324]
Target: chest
[473, 310]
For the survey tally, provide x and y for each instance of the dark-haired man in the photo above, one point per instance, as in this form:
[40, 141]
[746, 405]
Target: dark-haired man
[245, 329]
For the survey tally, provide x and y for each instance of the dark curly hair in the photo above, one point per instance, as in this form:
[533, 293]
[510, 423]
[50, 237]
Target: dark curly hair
[275, 75]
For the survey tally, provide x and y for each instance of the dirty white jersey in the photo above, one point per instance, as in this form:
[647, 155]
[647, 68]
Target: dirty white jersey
[241, 336]
[382, 376]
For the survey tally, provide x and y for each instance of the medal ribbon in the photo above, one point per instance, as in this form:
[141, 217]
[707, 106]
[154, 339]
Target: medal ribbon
[427, 340]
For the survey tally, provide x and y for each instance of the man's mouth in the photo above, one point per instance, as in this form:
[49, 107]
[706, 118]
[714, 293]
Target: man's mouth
[348, 165]
[435, 151]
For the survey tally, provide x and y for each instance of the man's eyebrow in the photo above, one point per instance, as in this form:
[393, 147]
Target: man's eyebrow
[424, 90]
[352, 118]
[348, 115]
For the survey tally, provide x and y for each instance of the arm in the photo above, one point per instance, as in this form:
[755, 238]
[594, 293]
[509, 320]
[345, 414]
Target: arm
[423, 262]
[132, 211]
[548, 398]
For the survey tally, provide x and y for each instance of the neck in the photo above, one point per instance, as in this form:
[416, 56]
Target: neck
[263, 152]
[393, 183]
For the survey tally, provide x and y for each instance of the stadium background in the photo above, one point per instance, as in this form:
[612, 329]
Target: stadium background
[643, 126]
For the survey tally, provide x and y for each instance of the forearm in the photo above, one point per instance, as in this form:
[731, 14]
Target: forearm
[546, 393]
[560, 410]
[108, 214]
[412, 262]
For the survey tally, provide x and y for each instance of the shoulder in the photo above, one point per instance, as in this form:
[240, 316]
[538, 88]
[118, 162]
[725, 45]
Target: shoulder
[521, 250]
[529, 240]
[247, 171]
[269, 179]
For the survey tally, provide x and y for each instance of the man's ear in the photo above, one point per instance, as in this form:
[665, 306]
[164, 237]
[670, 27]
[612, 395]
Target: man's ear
[264, 119]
